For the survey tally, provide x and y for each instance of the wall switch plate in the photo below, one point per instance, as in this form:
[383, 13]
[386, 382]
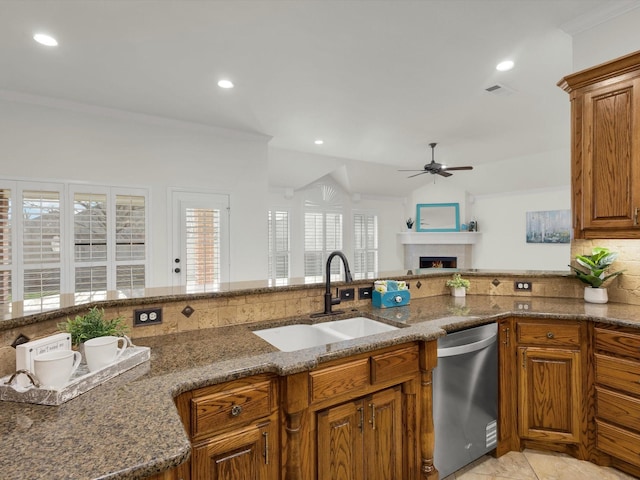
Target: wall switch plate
[147, 316]
[364, 293]
[347, 294]
[522, 286]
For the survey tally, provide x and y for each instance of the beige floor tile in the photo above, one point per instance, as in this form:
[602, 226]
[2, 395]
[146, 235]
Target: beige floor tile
[535, 465]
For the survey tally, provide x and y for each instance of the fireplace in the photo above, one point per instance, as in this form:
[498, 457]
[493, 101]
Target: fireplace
[438, 262]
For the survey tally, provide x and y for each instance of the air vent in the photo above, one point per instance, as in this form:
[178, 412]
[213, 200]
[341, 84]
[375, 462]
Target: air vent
[499, 89]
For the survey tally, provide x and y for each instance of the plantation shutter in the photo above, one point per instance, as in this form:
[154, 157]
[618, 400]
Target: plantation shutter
[365, 238]
[279, 252]
[322, 235]
[202, 242]
[41, 232]
[131, 243]
[6, 259]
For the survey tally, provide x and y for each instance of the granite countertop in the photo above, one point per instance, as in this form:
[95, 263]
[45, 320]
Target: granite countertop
[129, 428]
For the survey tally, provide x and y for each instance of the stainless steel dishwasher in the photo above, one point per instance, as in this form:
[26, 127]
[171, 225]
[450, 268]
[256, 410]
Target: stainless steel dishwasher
[465, 397]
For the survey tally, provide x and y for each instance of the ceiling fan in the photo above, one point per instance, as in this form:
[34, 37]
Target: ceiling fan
[435, 168]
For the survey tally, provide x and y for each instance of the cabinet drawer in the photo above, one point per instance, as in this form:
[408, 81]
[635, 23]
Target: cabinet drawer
[618, 442]
[387, 366]
[331, 381]
[618, 373]
[231, 407]
[618, 342]
[618, 408]
[557, 334]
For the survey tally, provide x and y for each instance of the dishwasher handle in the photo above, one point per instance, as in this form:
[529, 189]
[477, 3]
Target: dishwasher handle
[467, 347]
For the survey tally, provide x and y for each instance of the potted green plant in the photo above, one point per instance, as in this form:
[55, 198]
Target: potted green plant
[595, 275]
[458, 285]
[409, 223]
[92, 325]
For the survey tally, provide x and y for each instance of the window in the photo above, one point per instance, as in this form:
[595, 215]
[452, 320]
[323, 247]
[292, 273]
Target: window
[202, 229]
[322, 235]
[86, 242]
[365, 242]
[279, 250]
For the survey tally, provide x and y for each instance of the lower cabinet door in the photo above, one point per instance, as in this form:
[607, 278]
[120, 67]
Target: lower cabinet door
[362, 439]
[549, 398]
[245, 454]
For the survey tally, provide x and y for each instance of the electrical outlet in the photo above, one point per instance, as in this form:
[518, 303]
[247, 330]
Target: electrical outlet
[347, 294]
[522, 286]
[364, 293]
[147, 316]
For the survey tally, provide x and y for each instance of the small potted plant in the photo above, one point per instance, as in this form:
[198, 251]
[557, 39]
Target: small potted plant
[409, 223]
[458, 285]
[596, 266]
[92, 325]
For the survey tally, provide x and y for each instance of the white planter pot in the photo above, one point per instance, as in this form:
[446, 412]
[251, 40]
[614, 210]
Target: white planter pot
[595, 295]
[458, 291]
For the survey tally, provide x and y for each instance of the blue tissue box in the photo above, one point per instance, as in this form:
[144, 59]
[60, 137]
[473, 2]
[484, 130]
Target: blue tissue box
[396, 298]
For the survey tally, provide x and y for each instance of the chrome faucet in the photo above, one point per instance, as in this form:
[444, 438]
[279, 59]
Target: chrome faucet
[328, 300]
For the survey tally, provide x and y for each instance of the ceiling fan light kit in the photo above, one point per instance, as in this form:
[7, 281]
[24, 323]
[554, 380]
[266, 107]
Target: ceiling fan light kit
[435, 168]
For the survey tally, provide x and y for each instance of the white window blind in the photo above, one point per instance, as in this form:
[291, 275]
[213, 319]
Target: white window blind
[130, 241]
[202, 229]
[365, 241]
[279, 249]
[322, 235]
[69, 239]
[6, 242]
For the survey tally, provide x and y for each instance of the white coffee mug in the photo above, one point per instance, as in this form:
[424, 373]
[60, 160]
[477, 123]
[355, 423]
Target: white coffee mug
[54, 369]
[100, 352]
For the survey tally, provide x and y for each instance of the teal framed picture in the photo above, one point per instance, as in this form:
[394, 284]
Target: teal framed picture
[438, 217]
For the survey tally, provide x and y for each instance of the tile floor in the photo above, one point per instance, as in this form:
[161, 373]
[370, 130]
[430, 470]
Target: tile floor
[535, 465]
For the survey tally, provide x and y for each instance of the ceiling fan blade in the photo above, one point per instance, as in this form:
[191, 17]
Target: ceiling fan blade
[421, 173]
[423, 170]
[444, 173]
[459, 168]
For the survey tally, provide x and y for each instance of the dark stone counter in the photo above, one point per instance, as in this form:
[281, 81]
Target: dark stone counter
[129, 428]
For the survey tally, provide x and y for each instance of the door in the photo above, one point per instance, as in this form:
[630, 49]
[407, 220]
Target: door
[383, 436]
[245, 454]
[340, 442]
[362, 439]
[549, 398]
[200, 260]
[611, 175]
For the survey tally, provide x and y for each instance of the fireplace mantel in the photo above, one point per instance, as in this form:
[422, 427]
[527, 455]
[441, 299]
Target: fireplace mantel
[438, 238]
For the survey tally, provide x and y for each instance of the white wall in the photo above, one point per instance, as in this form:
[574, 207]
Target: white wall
[502, 222]
[67, 142]
[606, 41]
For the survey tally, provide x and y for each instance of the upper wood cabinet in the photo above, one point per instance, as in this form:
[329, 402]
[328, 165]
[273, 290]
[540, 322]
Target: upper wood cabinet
[605, 148]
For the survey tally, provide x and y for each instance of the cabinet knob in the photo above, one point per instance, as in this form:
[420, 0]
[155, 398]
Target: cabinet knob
[550, 335]
[236, 410]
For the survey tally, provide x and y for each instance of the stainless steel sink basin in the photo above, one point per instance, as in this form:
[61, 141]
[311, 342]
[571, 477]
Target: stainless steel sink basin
[299, 336]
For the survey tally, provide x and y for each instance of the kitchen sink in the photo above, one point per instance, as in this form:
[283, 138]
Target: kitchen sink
[289, 338]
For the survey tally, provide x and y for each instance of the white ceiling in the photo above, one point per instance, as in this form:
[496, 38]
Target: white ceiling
[376, 80]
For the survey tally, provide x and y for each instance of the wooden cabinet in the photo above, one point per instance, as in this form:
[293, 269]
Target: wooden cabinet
[368, 416]
[605, 164]
[362, 438]
[365, 416]
[617, 376]
[544, 391]
[234, 430]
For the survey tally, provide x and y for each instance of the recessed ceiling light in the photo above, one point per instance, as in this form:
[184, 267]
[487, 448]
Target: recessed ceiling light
[504, 66]
[45, 39]
[319, 142]
[225, 84]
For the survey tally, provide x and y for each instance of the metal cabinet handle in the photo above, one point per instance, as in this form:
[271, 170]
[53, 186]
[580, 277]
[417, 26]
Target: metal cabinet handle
[236, 410]
[265, 453]
[361, 412]
[373, 416]
[550, 335]
[635, 217]
[506, 336]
